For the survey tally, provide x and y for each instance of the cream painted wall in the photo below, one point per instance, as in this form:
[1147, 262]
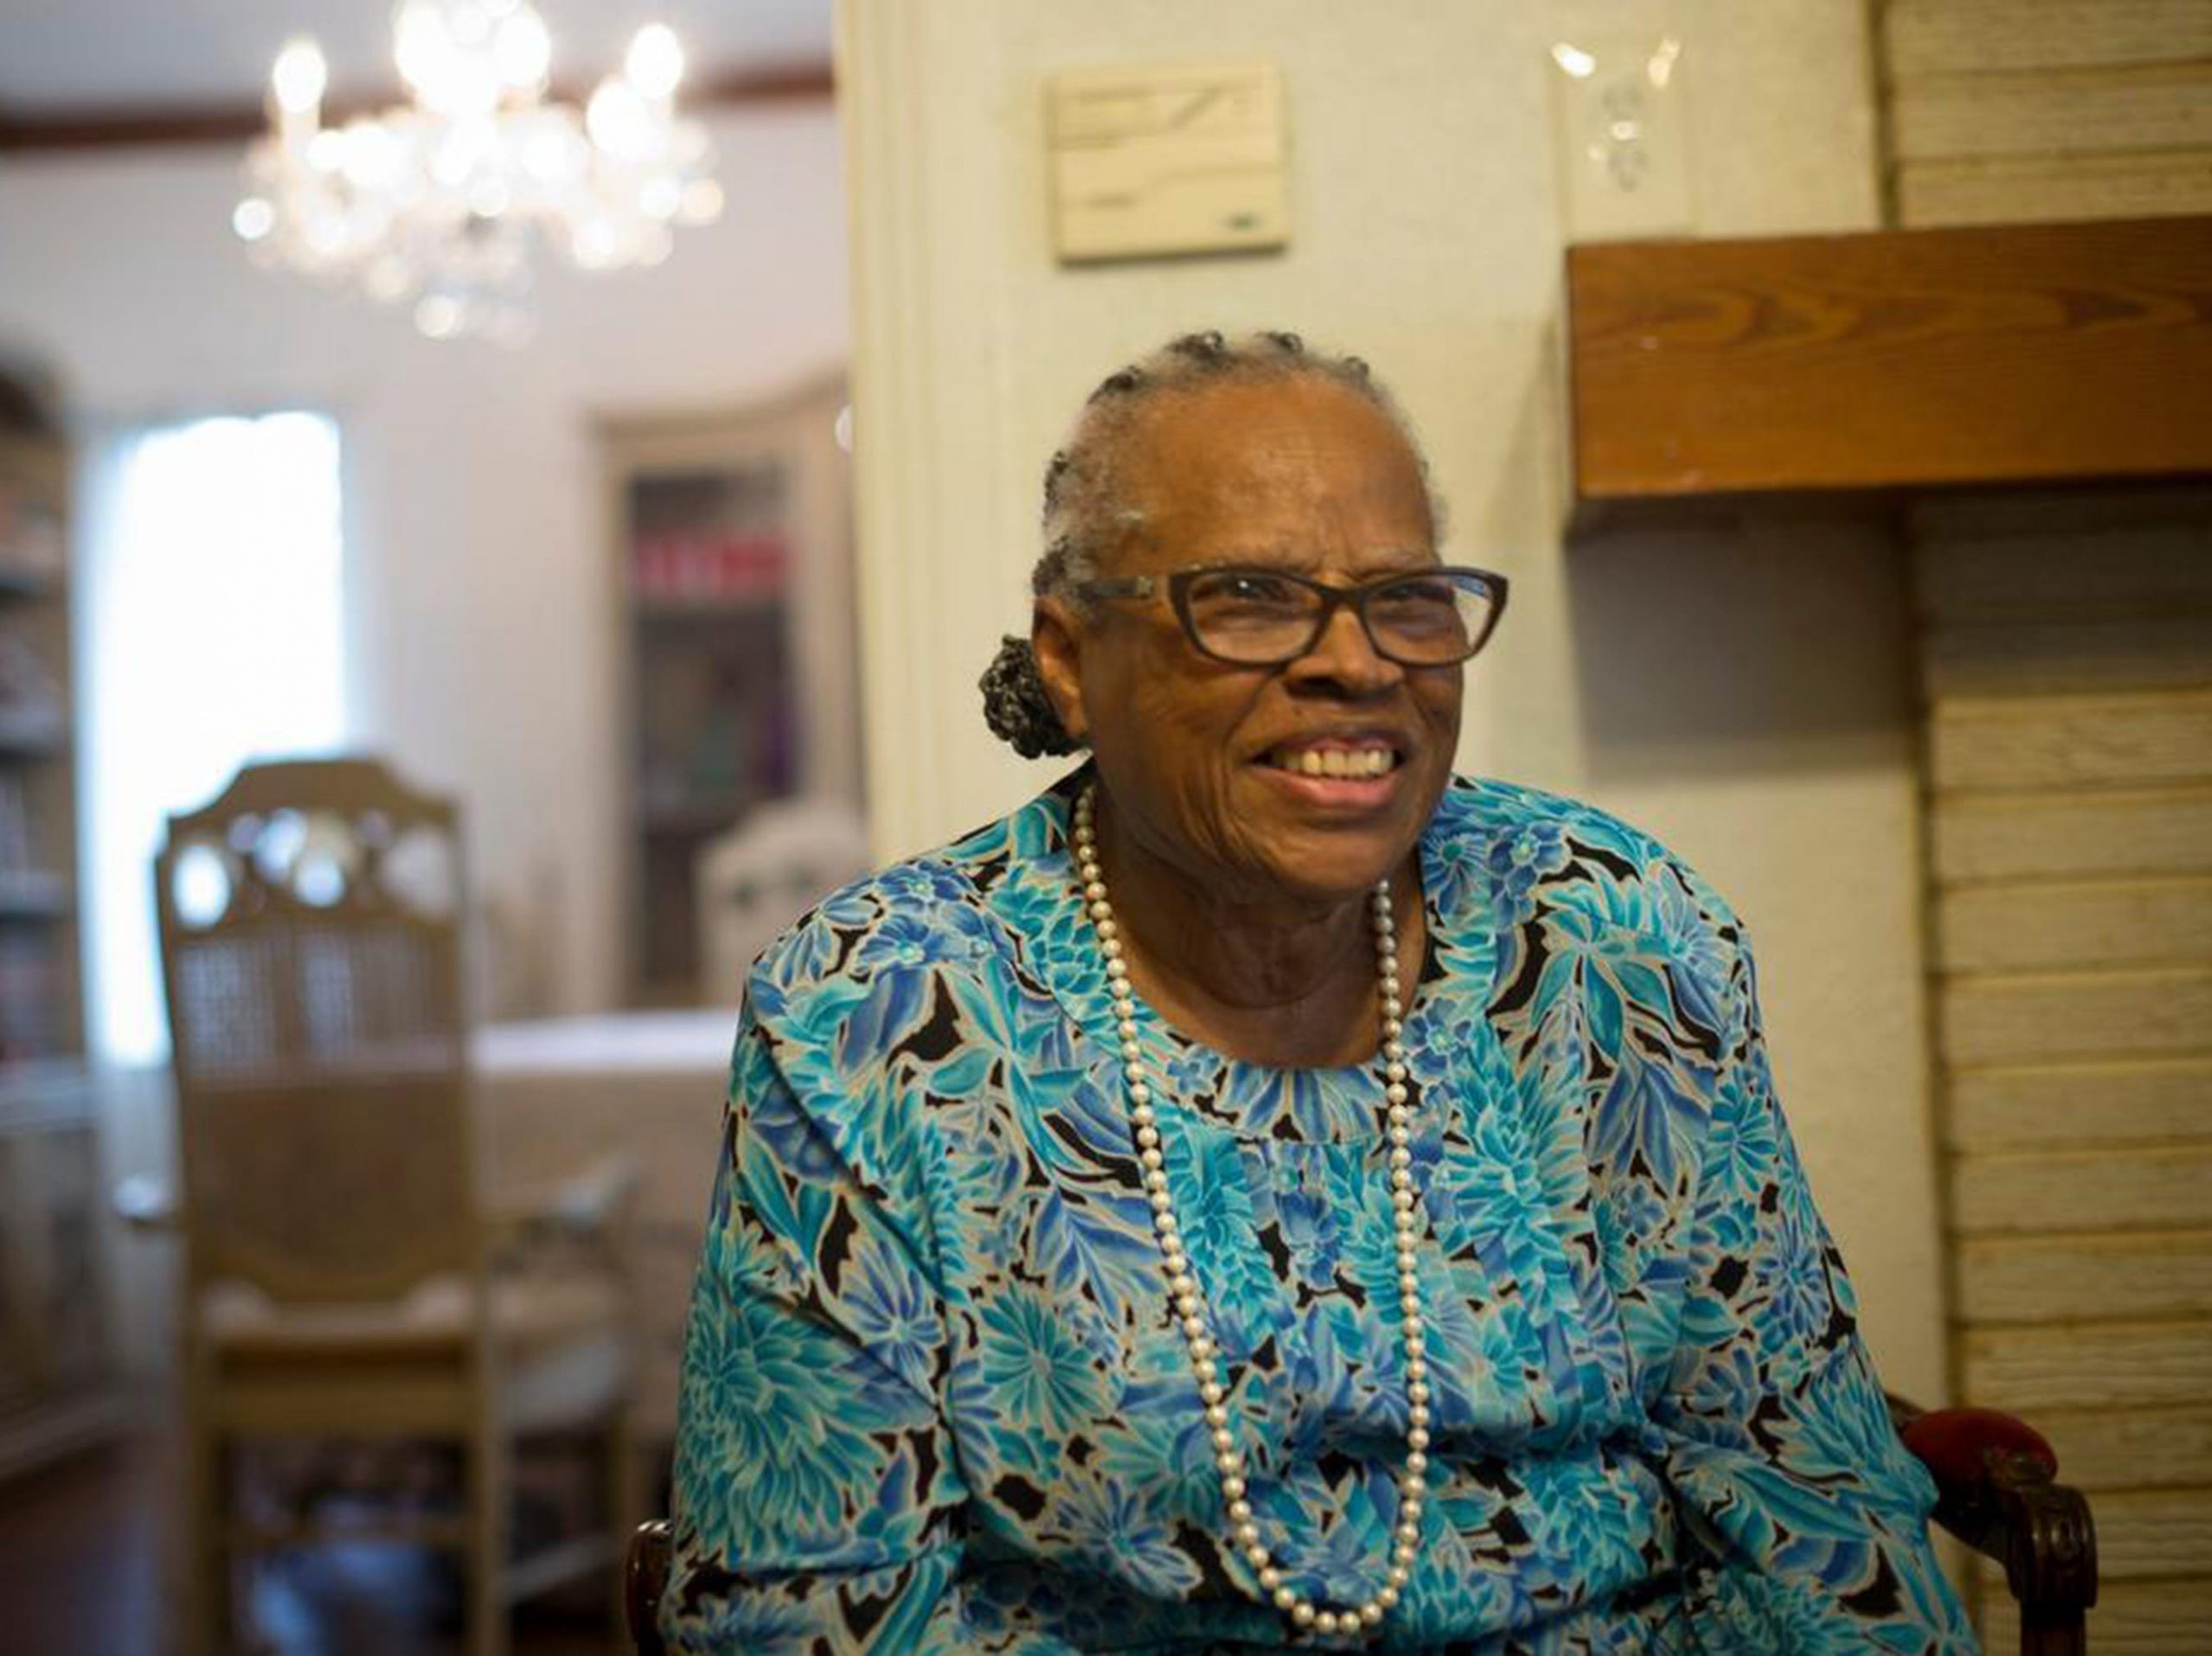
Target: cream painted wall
[483, 643]
[1741, 691]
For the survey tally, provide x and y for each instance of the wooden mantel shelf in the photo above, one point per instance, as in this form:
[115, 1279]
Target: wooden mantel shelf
[1891, 360]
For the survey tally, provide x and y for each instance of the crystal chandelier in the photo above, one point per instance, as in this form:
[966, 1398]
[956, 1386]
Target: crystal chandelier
[444, 204]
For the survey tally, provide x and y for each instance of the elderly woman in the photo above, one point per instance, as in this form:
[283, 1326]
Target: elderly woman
[1268, 1192]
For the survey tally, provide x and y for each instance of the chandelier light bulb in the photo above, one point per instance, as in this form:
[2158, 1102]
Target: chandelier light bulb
[299, 77]
[620, 121]
[523, 49]
[655, 63]
[253, 219]
[421, 49]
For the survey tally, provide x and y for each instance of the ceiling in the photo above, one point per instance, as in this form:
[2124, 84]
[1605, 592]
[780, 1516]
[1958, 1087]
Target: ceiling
[77, 56]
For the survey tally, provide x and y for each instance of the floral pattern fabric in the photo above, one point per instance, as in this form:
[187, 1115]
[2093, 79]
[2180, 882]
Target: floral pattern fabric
[933, 1399]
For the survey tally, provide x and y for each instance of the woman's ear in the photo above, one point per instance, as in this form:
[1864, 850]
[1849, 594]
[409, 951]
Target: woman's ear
[1053, 641]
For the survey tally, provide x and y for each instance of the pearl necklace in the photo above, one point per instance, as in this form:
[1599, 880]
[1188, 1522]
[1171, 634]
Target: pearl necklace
[1183, 1286]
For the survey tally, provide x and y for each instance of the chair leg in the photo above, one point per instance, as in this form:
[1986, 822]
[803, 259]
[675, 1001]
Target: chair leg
[486, 1557]
[209, 1621]
[625, 1503]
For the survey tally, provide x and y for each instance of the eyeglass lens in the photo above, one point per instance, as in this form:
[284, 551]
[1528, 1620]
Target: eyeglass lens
[1430, 619]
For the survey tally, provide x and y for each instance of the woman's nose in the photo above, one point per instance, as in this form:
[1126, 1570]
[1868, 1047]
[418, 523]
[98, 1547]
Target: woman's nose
[1345, 655]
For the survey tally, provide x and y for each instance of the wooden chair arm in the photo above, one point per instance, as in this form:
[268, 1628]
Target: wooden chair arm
[645, 1578]
[592, 1207]
[1998, 1490]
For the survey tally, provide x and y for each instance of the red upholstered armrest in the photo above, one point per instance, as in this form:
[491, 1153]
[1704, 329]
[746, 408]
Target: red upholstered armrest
[1996, 1490]
[1955, 1444]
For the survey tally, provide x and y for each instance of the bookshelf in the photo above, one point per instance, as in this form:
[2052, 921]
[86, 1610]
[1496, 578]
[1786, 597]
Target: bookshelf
[57, 1386]
[40, 1017]
[732, 563]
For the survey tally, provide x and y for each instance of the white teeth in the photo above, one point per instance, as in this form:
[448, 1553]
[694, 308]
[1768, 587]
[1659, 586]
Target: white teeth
[1339, 761]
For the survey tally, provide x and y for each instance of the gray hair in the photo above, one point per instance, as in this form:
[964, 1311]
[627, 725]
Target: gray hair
[1088, 508]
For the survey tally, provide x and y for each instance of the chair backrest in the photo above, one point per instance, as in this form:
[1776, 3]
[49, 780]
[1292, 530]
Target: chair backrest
[310, 930]
[755, 880]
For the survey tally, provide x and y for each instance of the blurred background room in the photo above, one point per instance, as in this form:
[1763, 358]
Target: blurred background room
[605, 440]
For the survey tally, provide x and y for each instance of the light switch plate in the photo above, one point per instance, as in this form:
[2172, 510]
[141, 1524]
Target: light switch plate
[1620, 122]
[1156, 159]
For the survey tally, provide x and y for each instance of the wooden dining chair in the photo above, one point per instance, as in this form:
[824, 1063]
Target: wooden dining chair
[1996, 1490]
[344, 1277]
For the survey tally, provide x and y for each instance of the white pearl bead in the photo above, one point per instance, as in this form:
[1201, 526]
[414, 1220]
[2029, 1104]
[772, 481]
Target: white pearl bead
[1324, 1622]
[1304, 1615]
[1285, 1599]
[1270, 1578]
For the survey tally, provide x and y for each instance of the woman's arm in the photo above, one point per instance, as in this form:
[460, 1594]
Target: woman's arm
[817, 1496]
[1808, 1516]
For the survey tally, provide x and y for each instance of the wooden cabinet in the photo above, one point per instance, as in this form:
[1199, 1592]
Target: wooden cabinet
[732, 572]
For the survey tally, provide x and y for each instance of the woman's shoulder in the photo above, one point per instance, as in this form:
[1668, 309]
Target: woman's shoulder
[930, 909]
[1535, 854]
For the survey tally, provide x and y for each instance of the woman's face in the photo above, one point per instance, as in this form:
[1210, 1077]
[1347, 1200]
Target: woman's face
[1197, 757]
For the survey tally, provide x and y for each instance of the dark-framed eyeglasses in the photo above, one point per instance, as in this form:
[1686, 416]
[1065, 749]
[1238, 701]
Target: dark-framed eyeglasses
[1252, 617]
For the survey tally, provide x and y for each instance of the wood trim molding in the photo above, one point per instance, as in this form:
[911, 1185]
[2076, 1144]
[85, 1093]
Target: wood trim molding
[121, 126]
[1890, 360]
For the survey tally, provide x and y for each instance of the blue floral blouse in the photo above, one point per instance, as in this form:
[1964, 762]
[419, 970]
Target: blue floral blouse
[934, 1398]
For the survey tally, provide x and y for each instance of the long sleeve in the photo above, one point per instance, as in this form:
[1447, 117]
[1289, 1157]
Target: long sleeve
[1804, 1518]
[817, 1496]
